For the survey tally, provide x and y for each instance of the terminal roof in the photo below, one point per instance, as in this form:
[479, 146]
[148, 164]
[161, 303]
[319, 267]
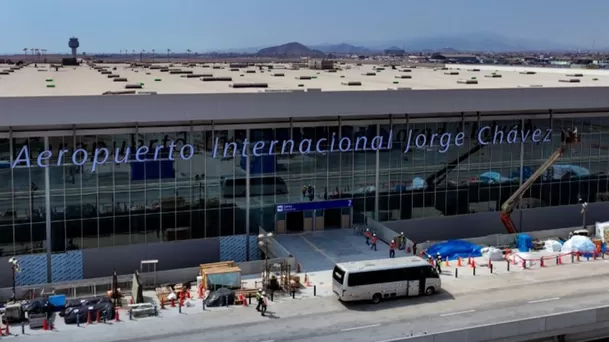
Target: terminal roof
[43, 80]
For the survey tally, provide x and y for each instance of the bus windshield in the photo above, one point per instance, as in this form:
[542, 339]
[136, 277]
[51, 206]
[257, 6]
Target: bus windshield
[338, 275]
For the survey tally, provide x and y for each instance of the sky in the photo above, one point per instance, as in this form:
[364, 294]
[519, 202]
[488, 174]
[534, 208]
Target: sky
[204, 25]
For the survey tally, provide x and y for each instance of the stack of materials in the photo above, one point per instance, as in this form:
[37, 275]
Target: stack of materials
[221, 275]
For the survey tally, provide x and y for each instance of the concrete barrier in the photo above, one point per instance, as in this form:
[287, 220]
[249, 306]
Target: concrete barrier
[509, 239]
[577, 325]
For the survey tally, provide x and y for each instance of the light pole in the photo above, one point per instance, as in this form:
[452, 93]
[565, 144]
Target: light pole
[583, 212]
[15, 268]
[153, 51]
[263, 241]
[168, 58]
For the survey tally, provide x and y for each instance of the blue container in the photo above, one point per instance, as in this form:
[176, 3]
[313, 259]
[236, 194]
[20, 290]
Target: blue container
[58, 301]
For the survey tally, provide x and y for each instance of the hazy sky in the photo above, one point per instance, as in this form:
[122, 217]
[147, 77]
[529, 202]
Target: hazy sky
[204, 25]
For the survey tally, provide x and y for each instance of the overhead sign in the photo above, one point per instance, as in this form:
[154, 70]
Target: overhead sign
[321, 205]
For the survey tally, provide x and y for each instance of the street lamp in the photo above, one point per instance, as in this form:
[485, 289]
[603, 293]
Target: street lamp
[263, 241]
[15, 268]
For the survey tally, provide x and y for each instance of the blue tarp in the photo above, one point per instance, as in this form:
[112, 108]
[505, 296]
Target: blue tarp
[454, 249]
[524, 243]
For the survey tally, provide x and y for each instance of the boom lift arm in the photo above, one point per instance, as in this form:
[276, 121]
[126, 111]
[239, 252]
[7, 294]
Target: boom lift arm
[439, 176]
[567, 137]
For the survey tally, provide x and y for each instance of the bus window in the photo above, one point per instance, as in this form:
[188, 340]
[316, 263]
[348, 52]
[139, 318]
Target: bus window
[338, 275]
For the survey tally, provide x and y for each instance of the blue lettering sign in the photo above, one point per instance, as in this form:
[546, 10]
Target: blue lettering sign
[304, 206]
[410, 139]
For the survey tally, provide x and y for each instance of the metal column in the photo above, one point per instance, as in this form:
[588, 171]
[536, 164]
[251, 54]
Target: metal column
[377, 176]
[521, 176]
[47, 212]
[247, 199]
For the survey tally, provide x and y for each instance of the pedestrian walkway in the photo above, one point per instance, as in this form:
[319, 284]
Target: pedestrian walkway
[320, 251]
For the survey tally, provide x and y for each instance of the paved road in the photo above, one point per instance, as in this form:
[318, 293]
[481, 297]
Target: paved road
[323, 319]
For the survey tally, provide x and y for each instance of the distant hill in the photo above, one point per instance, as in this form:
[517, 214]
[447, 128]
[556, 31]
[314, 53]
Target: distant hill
[290, 50]
[342, 48]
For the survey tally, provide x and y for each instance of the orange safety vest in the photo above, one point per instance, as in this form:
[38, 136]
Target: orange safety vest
[374, 239]
[392, 245]
[367, 234]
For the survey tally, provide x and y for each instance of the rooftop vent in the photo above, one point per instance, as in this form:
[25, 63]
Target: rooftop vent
[180, 72]
[474, 70]
[369, 74]
[113, 76]
[570, 80]
[106, 72]
[575, 75]
[406, 70]
[197, 75]
[146, 92]
[155, 67]
[134, 86]
[467, 81]
[331, 70]
[248, 85]
[216, 79]
[234, 69]
[530, 86]
[452, 73]
[527, 72]
[216, 67]
[379, 69]
[352, 83]
[403, 76]
[249, 71]
[440, 69]
[165, 70]
[278, 74]
[120, 92]
[120, 79]
[303, 77]
[313, 90]
[4, 73]
[204, 66]
[399, 88]
[493, 75]
[282, 90]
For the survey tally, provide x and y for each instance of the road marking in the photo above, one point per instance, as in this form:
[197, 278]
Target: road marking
[456, 313]
[543, 300]
[362, 327]
[268, 341]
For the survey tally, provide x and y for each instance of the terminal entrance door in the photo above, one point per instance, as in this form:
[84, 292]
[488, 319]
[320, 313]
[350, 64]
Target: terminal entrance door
[313, 216]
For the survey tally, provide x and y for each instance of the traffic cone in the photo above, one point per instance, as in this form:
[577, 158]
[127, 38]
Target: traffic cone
[98, 318]
[162, 304]
[541, 264]
[8, 333]
[490, 263]
[473, 263]
[242, 299]
[117, 316]
[188, 294]
[459, 262]
[559, 260]
[173, 303]
[447, 264]
[89, 317]
[469, 260]
[307, 281]
[200, 292]
[45, 325]
[131, 301]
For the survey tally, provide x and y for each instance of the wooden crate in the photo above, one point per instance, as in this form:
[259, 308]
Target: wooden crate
[222, 264]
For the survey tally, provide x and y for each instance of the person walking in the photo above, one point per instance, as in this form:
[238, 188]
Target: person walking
[392, 249]
[367, 235]
[439, 262]
[402, 241]
[259, 300]
[373, 245]
[265, 303]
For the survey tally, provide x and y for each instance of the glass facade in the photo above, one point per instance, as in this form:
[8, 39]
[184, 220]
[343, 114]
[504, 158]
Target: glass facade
[207, 195]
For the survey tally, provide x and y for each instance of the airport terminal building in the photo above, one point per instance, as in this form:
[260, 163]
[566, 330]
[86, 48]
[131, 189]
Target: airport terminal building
[187, 167]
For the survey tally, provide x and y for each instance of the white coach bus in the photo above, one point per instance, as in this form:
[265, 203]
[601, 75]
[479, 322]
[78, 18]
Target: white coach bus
[385, 278]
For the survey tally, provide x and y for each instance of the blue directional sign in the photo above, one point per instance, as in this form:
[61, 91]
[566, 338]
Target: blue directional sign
[304, 206]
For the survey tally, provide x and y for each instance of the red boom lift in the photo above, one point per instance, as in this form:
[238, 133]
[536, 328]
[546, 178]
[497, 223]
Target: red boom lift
[567, 137]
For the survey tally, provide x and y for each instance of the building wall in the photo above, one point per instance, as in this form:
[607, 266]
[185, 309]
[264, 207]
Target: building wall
[171, 210]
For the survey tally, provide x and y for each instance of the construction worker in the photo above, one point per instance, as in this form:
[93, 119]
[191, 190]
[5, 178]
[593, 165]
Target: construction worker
[439, 262]
[367, 235]
[263, 303]
[373, 245]
[392, 249]
[259, 300]
[402, 241]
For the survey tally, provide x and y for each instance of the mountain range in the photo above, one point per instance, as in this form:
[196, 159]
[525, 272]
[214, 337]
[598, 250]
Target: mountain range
[464, 43]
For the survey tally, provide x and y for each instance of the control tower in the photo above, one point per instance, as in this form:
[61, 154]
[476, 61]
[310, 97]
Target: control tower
[74, 44]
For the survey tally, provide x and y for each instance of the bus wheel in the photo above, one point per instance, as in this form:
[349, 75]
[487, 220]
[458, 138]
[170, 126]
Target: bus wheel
[429, 291]
[376, 298]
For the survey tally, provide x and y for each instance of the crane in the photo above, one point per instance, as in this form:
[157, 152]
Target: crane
[567, 137]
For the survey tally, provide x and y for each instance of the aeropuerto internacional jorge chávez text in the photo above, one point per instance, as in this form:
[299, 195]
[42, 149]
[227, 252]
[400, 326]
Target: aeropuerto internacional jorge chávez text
[443, 141]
